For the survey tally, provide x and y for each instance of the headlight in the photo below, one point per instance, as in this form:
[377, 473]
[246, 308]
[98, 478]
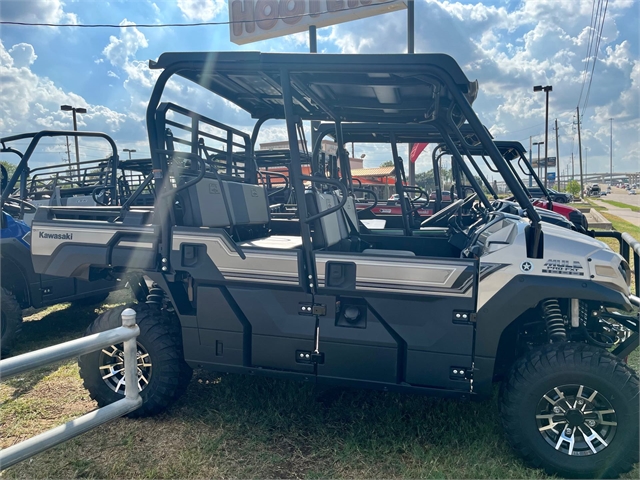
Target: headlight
[625, 271]
[27, 238]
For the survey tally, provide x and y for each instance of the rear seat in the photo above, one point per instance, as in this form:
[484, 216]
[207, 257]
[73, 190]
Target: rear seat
[221, 203]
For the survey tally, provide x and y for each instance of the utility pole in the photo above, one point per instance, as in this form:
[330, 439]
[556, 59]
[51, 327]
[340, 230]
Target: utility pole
[68, 153]
[580, 153]
[611, 152]
[573, 170]
[530, 158]
[558, 159]
[410, 50]
[313, 48]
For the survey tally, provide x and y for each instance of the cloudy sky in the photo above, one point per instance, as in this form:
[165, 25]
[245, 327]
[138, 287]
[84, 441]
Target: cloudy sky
[508, 45]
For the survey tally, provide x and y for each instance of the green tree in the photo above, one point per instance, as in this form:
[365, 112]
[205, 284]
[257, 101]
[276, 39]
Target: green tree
[388, 163]
[11, 167]
[573, 187]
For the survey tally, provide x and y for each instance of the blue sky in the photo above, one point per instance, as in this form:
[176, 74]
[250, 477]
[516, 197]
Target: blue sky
[509, 46]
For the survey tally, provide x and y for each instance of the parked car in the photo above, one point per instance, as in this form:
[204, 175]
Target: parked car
[632, 191]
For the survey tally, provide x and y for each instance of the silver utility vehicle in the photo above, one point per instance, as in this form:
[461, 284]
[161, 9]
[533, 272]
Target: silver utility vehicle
[316, 296]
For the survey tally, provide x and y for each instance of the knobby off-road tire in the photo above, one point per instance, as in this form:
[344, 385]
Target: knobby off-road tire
[92, 300]
[163, 375]
[533, 393]
[11, 321]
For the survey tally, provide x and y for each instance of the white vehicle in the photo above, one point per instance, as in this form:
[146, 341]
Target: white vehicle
[471, 297]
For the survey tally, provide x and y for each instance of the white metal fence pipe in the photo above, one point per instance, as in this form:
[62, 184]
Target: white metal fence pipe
[28, 361]
[130, 357]
[38, 444]
[127, 334]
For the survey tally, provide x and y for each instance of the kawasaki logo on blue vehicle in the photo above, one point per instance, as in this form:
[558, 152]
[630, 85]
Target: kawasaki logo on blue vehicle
[56, 236]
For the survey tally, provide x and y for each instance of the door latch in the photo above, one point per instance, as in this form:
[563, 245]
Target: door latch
[303, 356]
[312, 309]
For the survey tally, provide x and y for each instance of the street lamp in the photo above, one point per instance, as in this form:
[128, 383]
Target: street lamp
[538, 144]
[74, 110]
[129, 150]
[546, 89]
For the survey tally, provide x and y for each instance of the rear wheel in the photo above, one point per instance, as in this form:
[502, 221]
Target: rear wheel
[163, 375]
[572, 409]
[10, 321]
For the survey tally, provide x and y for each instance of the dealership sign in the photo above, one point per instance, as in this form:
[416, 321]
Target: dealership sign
[551, 162]
[253, 20]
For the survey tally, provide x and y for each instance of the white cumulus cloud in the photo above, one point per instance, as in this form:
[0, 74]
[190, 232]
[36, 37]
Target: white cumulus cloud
[201, 10]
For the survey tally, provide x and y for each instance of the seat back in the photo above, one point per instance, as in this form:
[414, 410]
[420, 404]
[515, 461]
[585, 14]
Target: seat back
[351, 213]
[220, 203]
[330, 229]
[81, 201]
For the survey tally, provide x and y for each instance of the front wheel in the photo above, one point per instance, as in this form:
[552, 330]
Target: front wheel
[572, 409]
[10, 321]
[163, 375]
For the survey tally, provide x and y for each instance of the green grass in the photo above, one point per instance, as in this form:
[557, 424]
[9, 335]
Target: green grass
[621, 205]
[232, 426]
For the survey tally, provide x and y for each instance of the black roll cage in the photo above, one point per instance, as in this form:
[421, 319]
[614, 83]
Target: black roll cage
[22, 169]
[305, 84]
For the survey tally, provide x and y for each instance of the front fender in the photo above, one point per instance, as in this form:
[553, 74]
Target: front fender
[516, 297]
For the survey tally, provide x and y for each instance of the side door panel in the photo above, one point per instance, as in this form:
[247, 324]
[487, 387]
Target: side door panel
[422, 309]
[260, 298]
[278, 331]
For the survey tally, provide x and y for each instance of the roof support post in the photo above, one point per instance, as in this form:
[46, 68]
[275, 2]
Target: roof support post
[309, 282]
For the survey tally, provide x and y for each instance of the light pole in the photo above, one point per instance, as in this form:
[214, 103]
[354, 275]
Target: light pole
[130, 151]
[586, 162]
[538, 144]
[74, 110]
[546, 89]
[611, 152]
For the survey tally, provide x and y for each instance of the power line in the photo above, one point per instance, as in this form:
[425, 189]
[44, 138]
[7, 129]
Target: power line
[595, 56]
[589, 47]
[198, 24]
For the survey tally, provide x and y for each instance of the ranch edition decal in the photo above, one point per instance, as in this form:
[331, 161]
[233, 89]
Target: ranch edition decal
[563, 267]
[56, 236]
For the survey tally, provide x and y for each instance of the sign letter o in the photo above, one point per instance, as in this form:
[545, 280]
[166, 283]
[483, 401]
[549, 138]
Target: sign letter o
[298, 9]
[266, 13]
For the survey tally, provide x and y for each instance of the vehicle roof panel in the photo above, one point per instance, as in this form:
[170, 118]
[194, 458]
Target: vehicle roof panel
[354, 88]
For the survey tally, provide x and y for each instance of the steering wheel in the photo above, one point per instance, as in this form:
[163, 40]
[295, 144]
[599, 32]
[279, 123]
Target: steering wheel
[441, 216]
[14, 206]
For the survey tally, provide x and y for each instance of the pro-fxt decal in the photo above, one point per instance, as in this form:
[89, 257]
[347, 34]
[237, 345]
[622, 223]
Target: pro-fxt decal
[563, 267]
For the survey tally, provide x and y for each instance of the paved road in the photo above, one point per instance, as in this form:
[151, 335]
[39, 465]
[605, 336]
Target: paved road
[624, 213]
[620, 195]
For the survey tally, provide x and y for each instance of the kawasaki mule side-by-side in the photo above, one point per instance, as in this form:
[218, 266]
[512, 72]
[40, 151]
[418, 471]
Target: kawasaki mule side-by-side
[86, 183]
[316, 297]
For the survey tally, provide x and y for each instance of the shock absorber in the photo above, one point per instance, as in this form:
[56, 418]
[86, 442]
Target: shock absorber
[552, 315]
[156, 295]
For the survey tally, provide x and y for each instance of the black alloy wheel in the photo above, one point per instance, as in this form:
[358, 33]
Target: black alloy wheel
[576, 420]
[163, 375]
[572, 409]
